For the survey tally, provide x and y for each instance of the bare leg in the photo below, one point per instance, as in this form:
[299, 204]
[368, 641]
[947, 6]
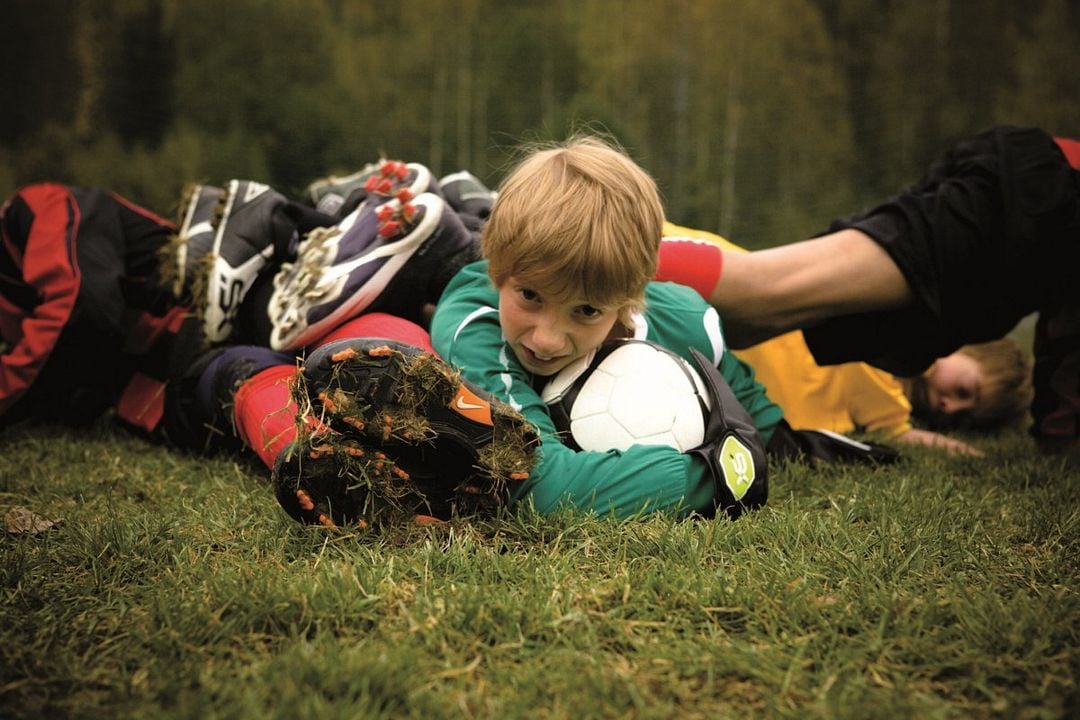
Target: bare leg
[768, 292]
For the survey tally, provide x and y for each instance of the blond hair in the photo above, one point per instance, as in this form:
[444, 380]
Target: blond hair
[1005, 389]
[577, 219]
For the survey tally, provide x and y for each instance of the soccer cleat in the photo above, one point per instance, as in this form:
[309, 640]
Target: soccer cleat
[329, 194]
[202, 206]
[325, 479]
[378, 182]
[345, 270]
[456, 446]
[249, 236]
[467, 195]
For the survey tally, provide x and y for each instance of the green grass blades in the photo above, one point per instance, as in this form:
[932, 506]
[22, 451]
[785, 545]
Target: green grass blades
[176, 587]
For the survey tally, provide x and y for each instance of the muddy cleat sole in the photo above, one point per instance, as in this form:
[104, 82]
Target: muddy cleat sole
[333, 481]
[466, 450]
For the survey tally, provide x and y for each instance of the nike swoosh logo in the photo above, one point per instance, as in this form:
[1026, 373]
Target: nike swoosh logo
[462, 405]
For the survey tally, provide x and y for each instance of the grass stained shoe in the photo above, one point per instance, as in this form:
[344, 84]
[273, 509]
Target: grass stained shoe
[447, 446]
[330, 480]
[227, 238]
[201, 208]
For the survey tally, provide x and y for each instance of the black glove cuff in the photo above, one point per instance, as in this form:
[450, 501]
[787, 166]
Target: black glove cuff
[732, 448]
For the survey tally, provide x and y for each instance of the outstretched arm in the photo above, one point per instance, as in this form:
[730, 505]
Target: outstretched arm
[768, 292]
[915, 436]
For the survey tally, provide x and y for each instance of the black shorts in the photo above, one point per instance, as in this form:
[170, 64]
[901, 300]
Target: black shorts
[990, 235]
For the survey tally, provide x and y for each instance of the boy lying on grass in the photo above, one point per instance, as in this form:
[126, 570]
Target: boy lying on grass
[570, 246]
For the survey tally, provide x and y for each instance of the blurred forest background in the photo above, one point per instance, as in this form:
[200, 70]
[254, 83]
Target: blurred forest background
[760, 119]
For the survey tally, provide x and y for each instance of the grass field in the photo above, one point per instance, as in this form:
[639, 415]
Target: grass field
[175, 587]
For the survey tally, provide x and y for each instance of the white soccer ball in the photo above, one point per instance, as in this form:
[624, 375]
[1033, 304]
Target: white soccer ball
[629, 392]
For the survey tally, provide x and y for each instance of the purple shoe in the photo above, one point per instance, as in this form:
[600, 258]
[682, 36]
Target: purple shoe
[341, 271]
[397, 259]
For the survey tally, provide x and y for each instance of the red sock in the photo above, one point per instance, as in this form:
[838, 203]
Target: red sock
[1071, 148]
[381, 325]
[265, 413]
[691, 262]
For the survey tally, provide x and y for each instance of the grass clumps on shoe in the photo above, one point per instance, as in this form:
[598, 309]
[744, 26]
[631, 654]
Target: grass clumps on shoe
[462, 449]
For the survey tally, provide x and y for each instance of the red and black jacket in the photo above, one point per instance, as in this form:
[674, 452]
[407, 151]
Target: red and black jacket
[85, 323]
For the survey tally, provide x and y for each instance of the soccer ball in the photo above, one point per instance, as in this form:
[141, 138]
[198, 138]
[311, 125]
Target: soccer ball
[629, 392]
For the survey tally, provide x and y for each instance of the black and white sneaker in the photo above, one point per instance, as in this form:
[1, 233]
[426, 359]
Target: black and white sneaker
[252, 233]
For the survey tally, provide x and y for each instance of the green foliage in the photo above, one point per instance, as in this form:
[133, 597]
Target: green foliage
[175, 587]
[762, 121]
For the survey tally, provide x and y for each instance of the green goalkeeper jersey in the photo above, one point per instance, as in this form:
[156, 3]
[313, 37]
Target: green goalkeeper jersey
[644, 478]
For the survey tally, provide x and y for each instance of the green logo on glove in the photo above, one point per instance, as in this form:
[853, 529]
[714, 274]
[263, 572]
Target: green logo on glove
[738, 466]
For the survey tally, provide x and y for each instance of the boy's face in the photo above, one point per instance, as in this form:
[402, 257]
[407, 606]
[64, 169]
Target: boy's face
[548, 333]
[948, 390]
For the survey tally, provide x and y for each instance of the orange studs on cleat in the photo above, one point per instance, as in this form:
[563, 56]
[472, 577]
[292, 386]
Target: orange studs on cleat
[399, 472]
[381, 351]
[354, 451]
[429, 520]
[327, 402]
[519, 476]
[326, 522]
[304, 500]
[320, 451]
[343, 355]
[356, 423]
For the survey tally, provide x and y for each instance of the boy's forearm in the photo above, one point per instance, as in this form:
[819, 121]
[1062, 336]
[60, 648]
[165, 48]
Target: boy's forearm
[915, 436]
